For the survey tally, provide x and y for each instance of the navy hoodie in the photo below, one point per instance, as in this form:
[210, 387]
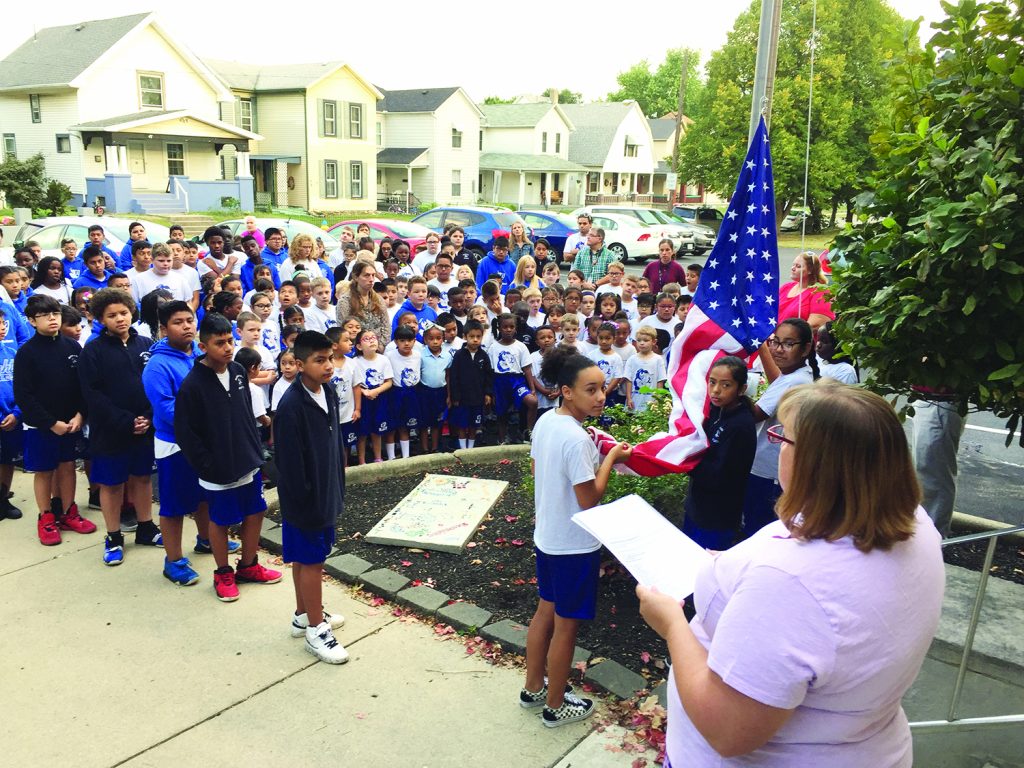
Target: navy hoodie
[215, 427]
[719, 483]
[470, 378]
[46, 385]
[309, 448]
[162, 378]
[111, 374]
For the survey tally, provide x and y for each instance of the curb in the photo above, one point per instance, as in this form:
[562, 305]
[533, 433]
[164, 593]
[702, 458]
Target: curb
[975, 524]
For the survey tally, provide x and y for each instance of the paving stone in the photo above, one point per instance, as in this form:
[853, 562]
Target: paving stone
[615, 678]
[580, 654]
[347, 567]
[464, 616]
[661, 691]
[383, 581]
[511, 635]
[424, 600]
[270, 536]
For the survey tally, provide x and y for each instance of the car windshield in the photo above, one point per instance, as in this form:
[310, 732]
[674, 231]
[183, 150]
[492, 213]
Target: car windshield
[685, 213]
[666, 218]
[506, 218]
[407, 229]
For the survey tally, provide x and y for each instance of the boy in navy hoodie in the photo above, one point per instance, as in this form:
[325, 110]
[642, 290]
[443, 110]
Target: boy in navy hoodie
[310, 458]
[10, 422]
[170, 360]
[214, 426]
[120, 419]
[48, 392]
[416, 302]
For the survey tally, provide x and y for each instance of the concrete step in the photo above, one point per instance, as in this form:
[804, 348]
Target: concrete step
[194, 224]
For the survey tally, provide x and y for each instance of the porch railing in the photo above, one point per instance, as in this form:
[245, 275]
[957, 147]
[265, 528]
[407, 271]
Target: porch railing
[180, 193]
[952, 723]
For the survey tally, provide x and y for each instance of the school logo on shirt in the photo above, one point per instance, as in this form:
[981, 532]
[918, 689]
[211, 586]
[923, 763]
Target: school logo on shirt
[72, 361]
[267, 339]
[373, 378]
[409, 377]
[7, 370]
[643, 378]
[506, 362]
[144, 357]
[239, 381]
[605, 366]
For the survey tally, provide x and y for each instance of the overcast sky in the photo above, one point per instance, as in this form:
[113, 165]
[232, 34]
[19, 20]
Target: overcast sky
[531, 46]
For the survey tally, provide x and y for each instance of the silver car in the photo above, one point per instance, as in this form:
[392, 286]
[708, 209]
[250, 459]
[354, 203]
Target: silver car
[49, 231]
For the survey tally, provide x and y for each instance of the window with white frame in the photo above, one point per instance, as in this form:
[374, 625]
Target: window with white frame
[33, 106]
[630, 149]
[558, 143]
[456, 138]
[456, 183]
[330, 124]
[151, 90]
[330, 178]
[380, 134]
[355, 121]
[10, 146]
[592, 181]
[544, 142]
[355, 179]
[245, 114]
[63, 144]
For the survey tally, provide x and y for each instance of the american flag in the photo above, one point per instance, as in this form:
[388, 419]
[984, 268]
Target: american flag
[733, 313]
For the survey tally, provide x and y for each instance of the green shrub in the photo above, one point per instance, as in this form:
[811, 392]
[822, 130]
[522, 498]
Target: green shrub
[230, 203]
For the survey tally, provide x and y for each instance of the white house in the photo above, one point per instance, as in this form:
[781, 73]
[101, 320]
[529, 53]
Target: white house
[428, 142]
[613, 142]
[124, 114]
[525, 156]
[663, 131]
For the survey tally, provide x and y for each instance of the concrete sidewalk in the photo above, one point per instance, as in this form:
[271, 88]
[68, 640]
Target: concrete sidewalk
[116, 666]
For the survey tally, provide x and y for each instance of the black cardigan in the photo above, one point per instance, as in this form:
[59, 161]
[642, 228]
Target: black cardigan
[46, 385]
[469, 378]
[719, 483]
[111, 374]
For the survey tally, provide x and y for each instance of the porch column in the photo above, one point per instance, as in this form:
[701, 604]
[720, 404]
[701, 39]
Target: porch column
[635, 179]
[547, 189]
[522, 188]
[496, 187]
[281, 183]
[242, 164]
[110, 156]
[600, 186]
[122, 158]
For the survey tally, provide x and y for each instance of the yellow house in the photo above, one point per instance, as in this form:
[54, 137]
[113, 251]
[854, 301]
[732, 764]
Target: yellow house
[317, 149]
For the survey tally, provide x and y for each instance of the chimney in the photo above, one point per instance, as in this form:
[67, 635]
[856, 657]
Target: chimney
[553, 93]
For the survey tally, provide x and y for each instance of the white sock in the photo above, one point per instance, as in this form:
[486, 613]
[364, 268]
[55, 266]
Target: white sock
[462, 442]
[404, 444]
[471, 442]
[390, 450]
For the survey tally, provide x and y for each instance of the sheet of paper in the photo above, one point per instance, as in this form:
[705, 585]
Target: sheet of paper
[656, 552]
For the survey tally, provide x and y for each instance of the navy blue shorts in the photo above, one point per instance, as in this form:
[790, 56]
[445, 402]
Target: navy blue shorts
[466, 416]
[305, 547]
[178, 485]
[433, 402]
[405, 408]
[45, 450]
[11, 444]
[231, 507]
[570, 582]
[349, 431]
[116, 469]
[374, 418]
[509, 391]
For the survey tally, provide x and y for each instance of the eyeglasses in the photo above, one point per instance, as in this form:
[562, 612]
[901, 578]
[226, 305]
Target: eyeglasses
[774, 343]
[776, 435]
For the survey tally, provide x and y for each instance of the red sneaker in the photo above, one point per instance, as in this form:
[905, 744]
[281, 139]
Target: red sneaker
[224, 585]
[73, 521]
[49, 533]
[257, 574]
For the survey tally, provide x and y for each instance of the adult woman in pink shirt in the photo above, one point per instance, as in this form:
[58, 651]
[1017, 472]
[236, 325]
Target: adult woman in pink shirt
[807, 635]
[805, 295]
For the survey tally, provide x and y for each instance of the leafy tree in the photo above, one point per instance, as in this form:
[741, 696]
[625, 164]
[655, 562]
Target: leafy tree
[657, 92]
[931, 293]
[57, 196]
[851, 92]
[24, 181]
[565, 96]
[498, 100]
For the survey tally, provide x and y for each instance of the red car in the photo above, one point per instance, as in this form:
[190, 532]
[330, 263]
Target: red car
[396, 229]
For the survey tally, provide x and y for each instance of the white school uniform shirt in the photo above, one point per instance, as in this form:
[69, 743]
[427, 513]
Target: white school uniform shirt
[766, 455]
[631, 310]
[344, 384]
[406, 370]
[543, 401]
[444, 288]
[392, 311]
[270, 337]
[370, 374]
[509, 358]
[280, 387]
[644, 372]
[608, 288]
[319, 319]
[62, 294]
[536, 321]
[259, 400]
[610, 364]
[625, 352]
[146, 282]
[221, 263]
[392, 346]
[457, 343]
[842, 372]
[190, 277]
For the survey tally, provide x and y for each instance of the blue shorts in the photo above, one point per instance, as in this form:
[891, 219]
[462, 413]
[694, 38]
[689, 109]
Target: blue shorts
[231, 507]
[350, 433]
[45, 450]
[433, 402]
[374, 418]
[305, 547]
[509, 391]
[570, 582]
[116, 469]
[178, 486]
[466, 416]
[11, 444]
[404, 407]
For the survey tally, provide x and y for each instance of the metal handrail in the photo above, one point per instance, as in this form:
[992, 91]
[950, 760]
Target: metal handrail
[179, 192]
[952, 723]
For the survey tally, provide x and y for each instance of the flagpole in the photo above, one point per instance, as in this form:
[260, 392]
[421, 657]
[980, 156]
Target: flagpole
[764, 68]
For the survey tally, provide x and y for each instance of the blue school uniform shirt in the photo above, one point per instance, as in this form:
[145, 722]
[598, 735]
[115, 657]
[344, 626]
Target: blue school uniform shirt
[245, 275]
[73, 269]
[433, 367]
[88, 281]
[8, 348]
[107, 250]
[277, 259]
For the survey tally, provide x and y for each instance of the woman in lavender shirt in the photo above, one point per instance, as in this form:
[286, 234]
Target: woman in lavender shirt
[808, 634]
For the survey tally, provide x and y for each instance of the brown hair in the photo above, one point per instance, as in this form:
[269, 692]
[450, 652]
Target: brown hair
[852, 474]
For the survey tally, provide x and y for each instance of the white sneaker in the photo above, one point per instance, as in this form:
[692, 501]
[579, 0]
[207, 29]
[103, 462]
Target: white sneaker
[300, 622]
[321, 643]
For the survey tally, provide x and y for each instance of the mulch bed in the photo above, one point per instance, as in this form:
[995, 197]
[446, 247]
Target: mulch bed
[1008, 562]
[496, 571]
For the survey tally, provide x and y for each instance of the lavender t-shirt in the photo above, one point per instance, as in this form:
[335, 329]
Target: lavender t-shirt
[822, 628]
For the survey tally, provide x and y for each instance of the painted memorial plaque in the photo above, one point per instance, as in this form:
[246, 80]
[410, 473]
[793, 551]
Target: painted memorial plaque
[441, 513]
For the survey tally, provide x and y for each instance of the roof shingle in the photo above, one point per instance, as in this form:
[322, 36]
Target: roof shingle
[414, 99]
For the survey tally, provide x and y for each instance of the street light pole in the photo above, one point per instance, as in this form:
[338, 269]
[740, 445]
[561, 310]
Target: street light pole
[764, 68]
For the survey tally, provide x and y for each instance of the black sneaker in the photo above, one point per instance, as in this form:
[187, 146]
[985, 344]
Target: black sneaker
[129, 522]
[572, 710]
[94, 499]
[531, 700]
[148, 535]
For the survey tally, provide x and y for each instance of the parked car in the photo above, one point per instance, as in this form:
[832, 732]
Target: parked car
[479, 222]
[553, 227]
[699, 214]
[683, 236]
[412, 233]
[50, 230]
[627, 239]
[292, 227]
[794, 221]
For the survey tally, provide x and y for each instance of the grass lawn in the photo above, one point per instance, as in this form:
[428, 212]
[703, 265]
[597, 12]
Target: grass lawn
[814, 242]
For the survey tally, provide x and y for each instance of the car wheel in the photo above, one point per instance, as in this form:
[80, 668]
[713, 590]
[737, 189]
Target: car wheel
[480, 252]
[620, 252]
